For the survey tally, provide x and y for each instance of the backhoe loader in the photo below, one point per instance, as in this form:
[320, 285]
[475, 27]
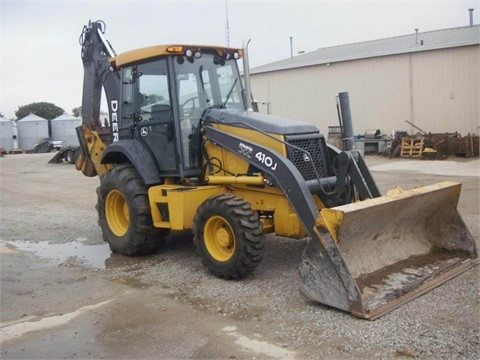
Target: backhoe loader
[185, 149]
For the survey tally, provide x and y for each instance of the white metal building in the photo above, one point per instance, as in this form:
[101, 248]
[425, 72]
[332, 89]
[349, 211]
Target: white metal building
[63, 128]
[429, 78]
[6, 134]
[31, 129]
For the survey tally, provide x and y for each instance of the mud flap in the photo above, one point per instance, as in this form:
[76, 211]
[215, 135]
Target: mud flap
[386, 251]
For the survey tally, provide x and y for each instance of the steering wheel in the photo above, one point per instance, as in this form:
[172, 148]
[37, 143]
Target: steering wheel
[193, 107]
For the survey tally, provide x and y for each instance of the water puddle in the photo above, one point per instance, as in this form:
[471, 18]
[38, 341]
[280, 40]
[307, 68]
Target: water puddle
[131, 281]
[90, 255]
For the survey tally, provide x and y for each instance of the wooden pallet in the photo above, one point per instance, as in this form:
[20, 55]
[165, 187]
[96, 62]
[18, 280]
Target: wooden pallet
[412, 146]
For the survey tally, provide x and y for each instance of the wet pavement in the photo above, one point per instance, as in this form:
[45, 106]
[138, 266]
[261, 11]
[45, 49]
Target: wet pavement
[84, 316]
[90, 255]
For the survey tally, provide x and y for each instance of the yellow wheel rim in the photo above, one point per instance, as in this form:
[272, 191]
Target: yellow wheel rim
[117, 213]
[219, 238]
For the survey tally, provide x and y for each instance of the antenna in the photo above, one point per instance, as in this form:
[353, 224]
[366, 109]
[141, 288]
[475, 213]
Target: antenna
[227, 29]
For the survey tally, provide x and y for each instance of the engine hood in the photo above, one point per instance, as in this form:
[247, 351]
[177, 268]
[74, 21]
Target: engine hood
[266, 123]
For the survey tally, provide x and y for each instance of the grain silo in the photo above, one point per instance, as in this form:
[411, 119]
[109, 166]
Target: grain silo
[31, 129]
[63, 128]
[6, 138]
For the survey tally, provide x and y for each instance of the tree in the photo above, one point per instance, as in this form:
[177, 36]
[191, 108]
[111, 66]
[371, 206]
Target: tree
[45, 110]
[77, 111]
[152, 99]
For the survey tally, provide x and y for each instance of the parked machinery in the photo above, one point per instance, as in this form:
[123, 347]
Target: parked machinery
[184, 149]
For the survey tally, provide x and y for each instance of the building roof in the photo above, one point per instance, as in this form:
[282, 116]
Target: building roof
[32, 117]
[423, 41]
[66, 116]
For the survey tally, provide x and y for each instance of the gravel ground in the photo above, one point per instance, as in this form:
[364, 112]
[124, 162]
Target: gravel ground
[51, 205]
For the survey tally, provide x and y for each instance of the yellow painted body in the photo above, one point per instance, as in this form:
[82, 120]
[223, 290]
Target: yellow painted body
[264, 198]
[92, 166]
[179, 203]
[174, 206]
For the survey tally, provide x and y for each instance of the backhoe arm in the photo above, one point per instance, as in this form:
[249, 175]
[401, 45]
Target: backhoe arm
[96, 52]
[99, 73]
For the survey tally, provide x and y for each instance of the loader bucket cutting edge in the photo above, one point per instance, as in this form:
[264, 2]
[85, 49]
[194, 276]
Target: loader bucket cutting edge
[388, 250]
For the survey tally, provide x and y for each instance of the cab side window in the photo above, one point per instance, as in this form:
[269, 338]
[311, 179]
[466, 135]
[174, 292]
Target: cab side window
[153, 96]
[127, 97]
[145, 93]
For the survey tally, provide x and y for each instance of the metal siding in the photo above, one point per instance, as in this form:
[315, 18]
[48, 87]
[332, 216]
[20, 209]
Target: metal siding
[384, 91]
[64, 129]
[378, 90]
[6, 138]
[30, 132]
[446, 90]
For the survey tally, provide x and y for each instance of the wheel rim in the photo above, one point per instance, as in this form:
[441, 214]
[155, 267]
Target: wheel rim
[117, 213]
[219, 238]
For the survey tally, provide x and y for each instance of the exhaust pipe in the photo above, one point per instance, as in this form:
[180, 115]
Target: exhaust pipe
[246, 74]
[347, 123]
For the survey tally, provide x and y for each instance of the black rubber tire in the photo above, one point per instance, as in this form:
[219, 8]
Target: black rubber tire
[70, 156]
[126, 220]
[234, 216]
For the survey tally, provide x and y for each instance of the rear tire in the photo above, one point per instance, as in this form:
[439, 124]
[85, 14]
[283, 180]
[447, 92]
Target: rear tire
[124, 213]
[70, 156]
[229, 236]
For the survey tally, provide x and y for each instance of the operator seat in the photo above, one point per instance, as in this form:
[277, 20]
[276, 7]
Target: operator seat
[162, 113]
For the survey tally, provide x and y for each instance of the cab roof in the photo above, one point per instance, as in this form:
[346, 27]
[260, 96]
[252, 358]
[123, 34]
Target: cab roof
[136, 55]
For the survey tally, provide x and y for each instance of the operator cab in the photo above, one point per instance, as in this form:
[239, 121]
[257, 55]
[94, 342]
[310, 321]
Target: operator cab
[163, 99]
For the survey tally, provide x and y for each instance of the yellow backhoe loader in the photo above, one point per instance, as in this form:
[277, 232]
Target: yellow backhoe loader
[184, 149]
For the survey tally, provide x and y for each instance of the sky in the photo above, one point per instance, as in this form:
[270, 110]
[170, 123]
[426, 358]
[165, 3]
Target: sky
[40, 54]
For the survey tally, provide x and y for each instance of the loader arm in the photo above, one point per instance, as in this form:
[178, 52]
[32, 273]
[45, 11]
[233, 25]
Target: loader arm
[351, 163]
[340, 287]
[372, 256]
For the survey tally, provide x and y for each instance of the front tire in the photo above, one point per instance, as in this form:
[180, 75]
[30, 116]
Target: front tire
[124, 213]
[229, 236]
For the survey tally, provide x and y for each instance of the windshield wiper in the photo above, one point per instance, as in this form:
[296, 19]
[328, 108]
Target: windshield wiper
[224, 104]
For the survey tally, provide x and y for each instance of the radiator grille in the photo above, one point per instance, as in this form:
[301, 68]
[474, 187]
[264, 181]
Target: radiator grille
[315, 156]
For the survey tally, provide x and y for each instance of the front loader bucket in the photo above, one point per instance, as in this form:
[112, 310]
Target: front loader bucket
[372, 256]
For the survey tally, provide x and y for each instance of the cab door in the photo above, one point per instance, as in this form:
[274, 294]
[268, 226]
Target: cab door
[150, 113]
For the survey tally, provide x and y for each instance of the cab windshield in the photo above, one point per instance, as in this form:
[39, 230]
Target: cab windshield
[202, 83]
[209, 81]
